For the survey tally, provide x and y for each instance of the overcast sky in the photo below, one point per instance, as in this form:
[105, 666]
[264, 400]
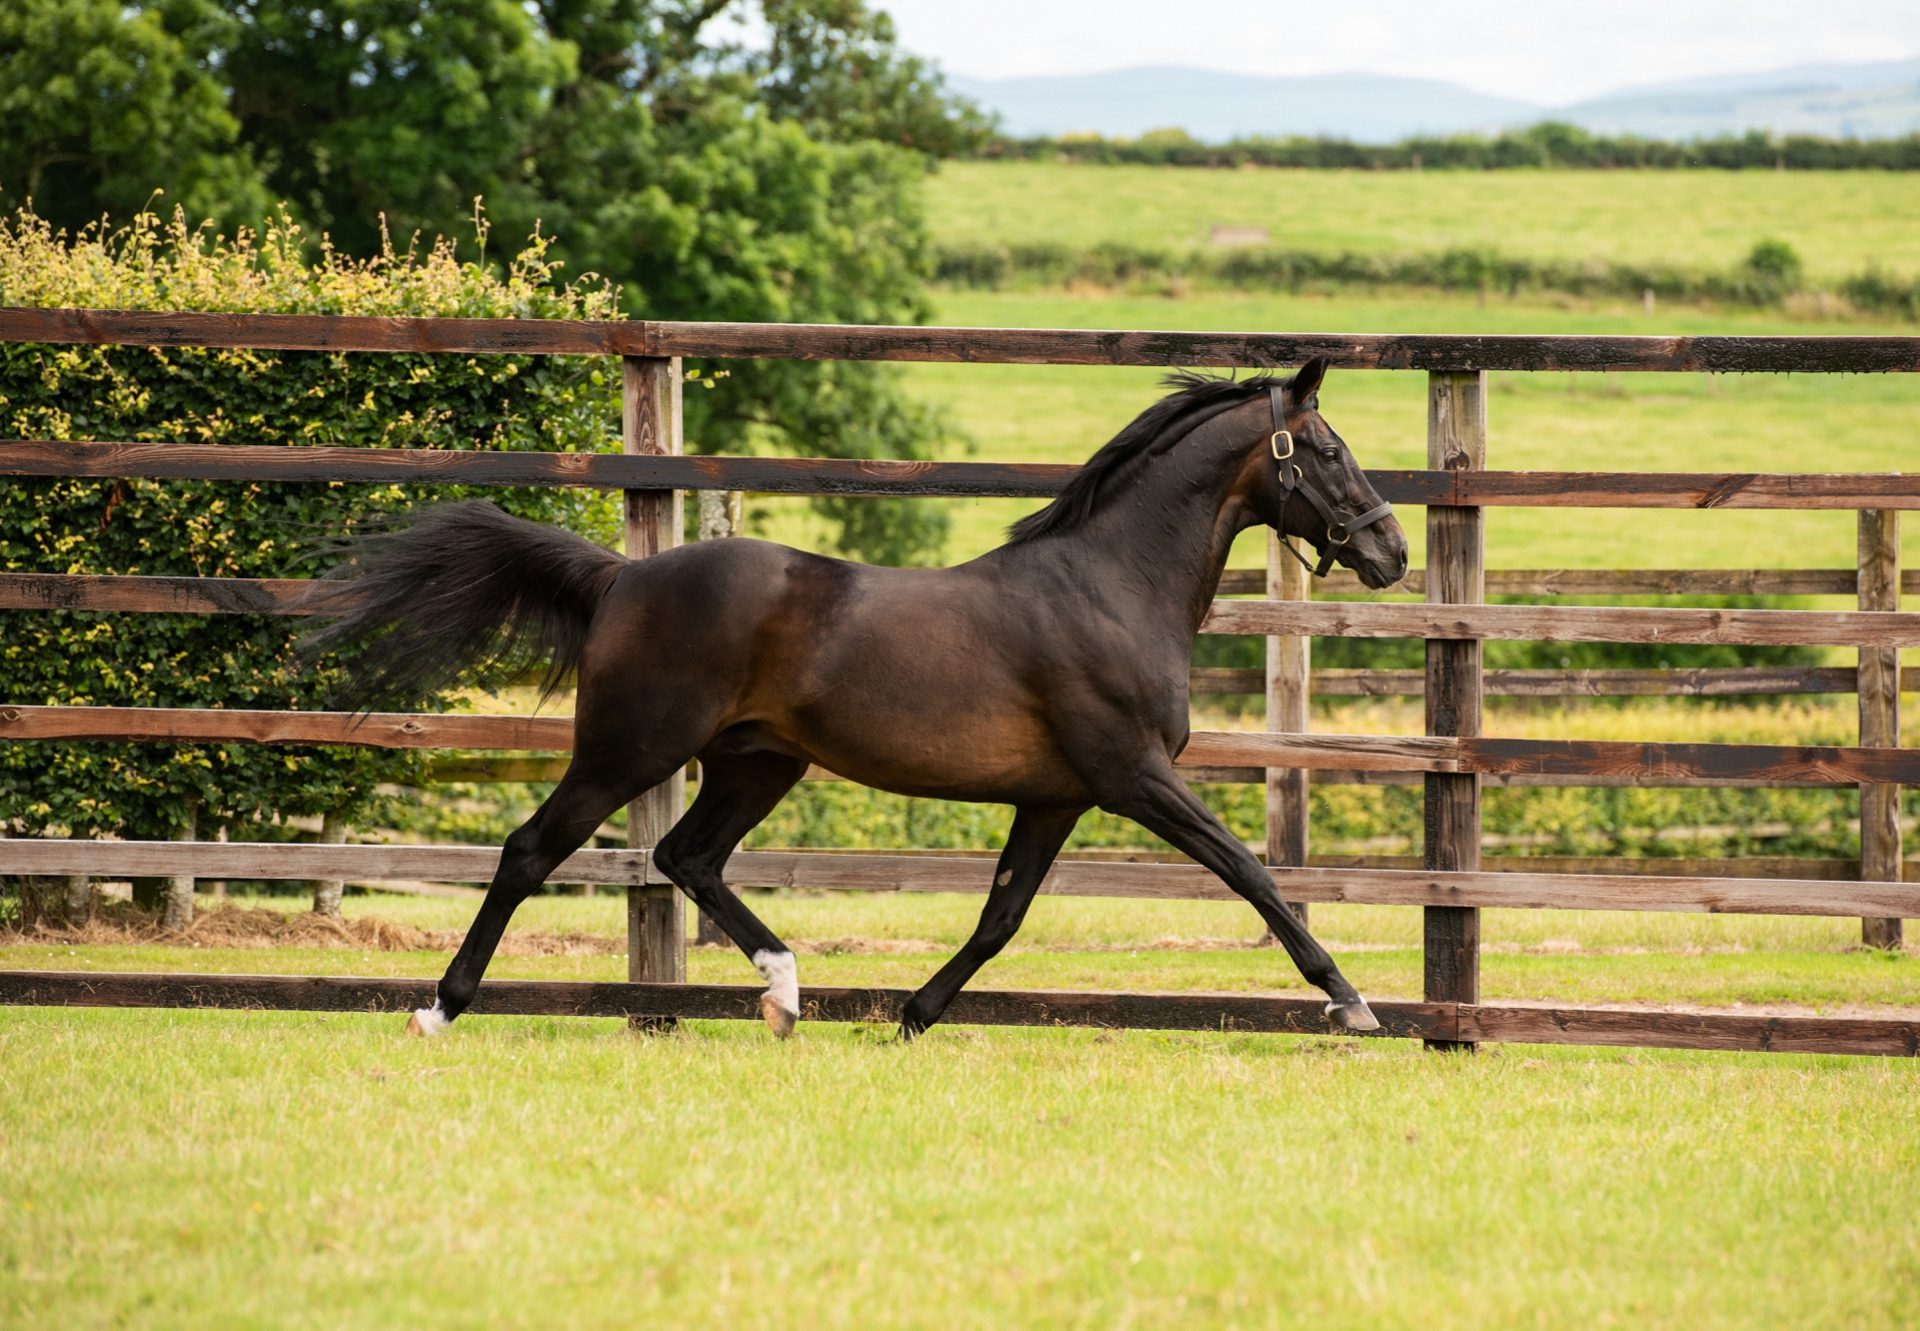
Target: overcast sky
[1548, 51]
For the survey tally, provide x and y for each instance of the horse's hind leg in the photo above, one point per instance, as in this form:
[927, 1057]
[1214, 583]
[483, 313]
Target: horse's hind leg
[736, 792]
[583, 800]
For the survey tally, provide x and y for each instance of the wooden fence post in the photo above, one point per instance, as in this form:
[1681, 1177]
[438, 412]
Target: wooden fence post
[1456, 574]
[1288, 662]
[650, 423]
[328, 891]
[1879, 684]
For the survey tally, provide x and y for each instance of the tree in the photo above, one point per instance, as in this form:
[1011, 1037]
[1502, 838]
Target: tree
[708, 175]
[103, 105]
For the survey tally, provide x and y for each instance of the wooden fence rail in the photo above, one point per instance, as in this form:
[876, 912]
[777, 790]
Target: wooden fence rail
[1005, 346]
[1453, 760]
[1453, 1023]
[1512, 888]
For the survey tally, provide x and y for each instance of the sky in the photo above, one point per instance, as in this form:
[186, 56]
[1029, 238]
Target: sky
[1546, 51]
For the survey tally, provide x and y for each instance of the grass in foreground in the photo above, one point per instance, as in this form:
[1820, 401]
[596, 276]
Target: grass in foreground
[299, 1170]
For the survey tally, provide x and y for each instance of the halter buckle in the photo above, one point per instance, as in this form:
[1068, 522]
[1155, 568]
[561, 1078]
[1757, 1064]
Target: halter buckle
[1274, 444]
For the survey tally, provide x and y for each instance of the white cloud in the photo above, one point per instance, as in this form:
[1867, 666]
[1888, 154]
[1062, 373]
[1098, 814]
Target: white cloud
[1548, 51]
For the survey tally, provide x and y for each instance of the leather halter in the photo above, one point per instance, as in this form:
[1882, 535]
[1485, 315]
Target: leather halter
[1340, 528]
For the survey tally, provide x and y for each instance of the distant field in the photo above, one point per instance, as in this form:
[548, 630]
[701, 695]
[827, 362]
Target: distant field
[1840, 222]
[1655, 422]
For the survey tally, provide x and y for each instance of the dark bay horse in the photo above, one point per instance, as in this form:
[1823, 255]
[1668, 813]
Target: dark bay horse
[1050, 674]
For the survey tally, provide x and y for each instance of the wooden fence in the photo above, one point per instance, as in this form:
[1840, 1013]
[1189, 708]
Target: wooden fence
[1453, 760]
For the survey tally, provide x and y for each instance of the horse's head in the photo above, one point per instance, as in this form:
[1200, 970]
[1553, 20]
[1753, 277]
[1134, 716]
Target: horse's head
[1314, 489]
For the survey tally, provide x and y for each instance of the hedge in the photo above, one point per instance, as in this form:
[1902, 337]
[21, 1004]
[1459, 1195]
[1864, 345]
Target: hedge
[235, 529]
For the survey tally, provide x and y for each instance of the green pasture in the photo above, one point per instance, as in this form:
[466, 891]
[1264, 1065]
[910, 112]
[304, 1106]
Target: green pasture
[1840, 222]
[1543, 421]
[235, 1169]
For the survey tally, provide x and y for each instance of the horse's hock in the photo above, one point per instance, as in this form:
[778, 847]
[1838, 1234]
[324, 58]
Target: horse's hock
[1453, 760]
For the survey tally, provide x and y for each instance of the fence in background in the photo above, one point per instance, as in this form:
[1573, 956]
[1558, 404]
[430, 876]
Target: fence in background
[1453, 759]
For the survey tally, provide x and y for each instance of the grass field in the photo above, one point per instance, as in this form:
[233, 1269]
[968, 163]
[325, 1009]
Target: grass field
[1840, 222]
[241, 1169]
[300, 1170]
[1652, 422]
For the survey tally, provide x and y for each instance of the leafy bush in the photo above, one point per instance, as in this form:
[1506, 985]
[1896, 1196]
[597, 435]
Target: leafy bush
[1548, 144]
[241, 529]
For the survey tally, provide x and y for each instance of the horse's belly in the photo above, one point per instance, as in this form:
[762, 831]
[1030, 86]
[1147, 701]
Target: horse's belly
[1005, 759]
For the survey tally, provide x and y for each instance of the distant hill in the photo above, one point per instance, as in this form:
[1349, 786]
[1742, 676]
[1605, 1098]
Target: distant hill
[1214, 106]
[1836, 100]
[1839, 101]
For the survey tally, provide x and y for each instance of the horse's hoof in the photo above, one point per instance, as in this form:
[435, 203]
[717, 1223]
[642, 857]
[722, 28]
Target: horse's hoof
[780, 1005]
[779, 1020]
[427, 1022]
[1355, 1016]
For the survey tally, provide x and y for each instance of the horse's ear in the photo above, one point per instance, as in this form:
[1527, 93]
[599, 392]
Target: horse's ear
[1306, 381]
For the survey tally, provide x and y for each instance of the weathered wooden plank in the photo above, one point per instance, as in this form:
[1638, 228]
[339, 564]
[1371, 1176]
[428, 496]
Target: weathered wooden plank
[381, 730]
[302, 860]
[1598, 582]
[1568, 623]
[419, 466]
[651, 426]
[1701, 682]
[877, 476]
[1288, 669]
[320, 332]
[280, 596]
[1031, 346]
[1560, 757]
[1512, 886]
[1895, 1036]
[1879, 689]
[163, 595]
[985, 1007]
[1607, 489]
[1650, 763]
[1022, 346]
[1456, 575]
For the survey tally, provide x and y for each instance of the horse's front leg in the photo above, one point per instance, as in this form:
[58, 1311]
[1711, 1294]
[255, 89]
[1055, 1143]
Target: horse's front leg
[1036, 837]
[1160, 802]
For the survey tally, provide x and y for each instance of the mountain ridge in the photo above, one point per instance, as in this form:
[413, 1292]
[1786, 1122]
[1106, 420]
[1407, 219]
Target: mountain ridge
[1863, 100]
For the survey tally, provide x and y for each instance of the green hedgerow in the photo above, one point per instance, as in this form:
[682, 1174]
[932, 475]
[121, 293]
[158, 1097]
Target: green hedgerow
[243, 529]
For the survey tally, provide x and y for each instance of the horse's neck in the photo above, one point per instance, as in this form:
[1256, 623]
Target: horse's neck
[1171, 533]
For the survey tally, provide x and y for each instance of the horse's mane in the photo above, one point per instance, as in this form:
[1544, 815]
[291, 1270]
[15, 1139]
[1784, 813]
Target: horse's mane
[1154, 430]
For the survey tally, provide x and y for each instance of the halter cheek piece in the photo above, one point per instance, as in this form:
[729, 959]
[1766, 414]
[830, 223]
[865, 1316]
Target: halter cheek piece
[1340, 528]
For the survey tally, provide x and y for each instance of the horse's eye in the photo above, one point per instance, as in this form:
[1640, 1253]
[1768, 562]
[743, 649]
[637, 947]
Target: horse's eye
[1330, 454]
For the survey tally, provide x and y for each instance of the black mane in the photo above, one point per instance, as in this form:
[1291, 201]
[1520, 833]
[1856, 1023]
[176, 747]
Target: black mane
[1157, 428]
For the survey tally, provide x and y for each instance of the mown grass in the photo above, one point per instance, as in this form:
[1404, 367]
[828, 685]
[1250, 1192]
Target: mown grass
[1839, 222]
[171, 1168]
[300, 1170]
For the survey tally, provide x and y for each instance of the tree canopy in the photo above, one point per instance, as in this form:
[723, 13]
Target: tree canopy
[717, 159]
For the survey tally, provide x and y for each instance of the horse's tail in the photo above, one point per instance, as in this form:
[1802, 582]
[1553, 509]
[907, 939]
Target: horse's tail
[456, 592]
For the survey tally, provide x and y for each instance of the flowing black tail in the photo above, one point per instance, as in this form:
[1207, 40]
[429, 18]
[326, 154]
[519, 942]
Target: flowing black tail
[453, 593]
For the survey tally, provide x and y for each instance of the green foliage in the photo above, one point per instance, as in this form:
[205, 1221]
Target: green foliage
[232, 529]
[1548, 144]
[707, 176]
[103, 105]
[1771, 272]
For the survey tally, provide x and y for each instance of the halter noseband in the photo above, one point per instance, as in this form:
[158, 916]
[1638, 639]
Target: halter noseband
[1340, 529]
